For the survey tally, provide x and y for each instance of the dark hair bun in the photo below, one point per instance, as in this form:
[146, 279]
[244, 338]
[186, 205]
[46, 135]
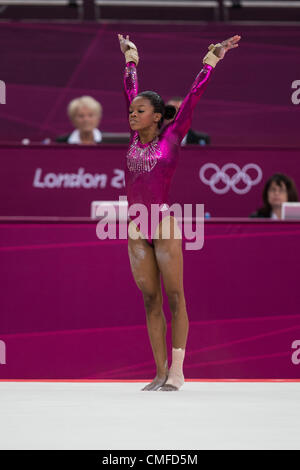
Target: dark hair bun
[170, 112]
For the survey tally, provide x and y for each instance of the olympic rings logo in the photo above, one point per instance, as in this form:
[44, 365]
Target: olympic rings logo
[230, 182]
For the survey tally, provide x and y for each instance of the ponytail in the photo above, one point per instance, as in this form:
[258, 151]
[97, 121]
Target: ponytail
[167, 112]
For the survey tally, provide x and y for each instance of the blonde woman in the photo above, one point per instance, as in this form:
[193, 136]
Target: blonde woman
[85, 113]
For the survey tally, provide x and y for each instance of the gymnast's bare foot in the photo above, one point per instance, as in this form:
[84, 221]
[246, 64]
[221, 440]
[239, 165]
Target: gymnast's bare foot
[174, 383]
[168, 388]
[175, 377]
[156, 383]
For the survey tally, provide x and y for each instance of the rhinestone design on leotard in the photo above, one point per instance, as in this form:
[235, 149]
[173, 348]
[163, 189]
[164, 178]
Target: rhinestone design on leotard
[131, 77]
[143, 159]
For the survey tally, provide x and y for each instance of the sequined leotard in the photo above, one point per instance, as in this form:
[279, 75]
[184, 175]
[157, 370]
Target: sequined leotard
[150, 167]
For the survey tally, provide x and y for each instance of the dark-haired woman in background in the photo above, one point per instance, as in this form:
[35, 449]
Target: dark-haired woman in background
[278, 189]
[151, 161]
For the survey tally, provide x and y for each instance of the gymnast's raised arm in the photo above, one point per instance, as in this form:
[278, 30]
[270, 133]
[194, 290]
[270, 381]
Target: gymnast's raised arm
[130, 76]
[183, 119]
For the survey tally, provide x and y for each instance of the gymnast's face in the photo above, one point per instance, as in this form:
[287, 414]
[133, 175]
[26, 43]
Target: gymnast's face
[142, 115]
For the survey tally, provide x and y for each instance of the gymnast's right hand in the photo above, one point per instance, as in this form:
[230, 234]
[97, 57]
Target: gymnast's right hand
[124, 43]
[129, 49]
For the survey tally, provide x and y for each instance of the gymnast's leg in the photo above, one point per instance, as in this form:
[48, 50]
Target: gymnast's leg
[147, 277]
[169, 258]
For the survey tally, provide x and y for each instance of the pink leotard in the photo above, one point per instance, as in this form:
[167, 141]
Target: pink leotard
[150, 167]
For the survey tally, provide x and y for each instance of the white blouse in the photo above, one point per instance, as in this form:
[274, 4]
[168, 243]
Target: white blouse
[74, 138]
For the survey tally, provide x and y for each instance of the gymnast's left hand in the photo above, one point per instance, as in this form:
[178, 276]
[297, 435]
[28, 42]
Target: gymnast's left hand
[226, 45]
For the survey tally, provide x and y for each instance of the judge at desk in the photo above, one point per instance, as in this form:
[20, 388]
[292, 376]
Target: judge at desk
[278, 189]
[85, 114]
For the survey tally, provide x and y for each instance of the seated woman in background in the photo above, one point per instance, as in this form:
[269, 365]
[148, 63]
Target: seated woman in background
[85, 113]
[278, 189]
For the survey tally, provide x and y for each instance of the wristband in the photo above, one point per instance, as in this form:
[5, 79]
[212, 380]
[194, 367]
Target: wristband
[131, 55]
[211, 58]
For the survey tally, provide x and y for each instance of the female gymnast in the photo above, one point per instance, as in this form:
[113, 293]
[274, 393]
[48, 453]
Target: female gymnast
[151, 162]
